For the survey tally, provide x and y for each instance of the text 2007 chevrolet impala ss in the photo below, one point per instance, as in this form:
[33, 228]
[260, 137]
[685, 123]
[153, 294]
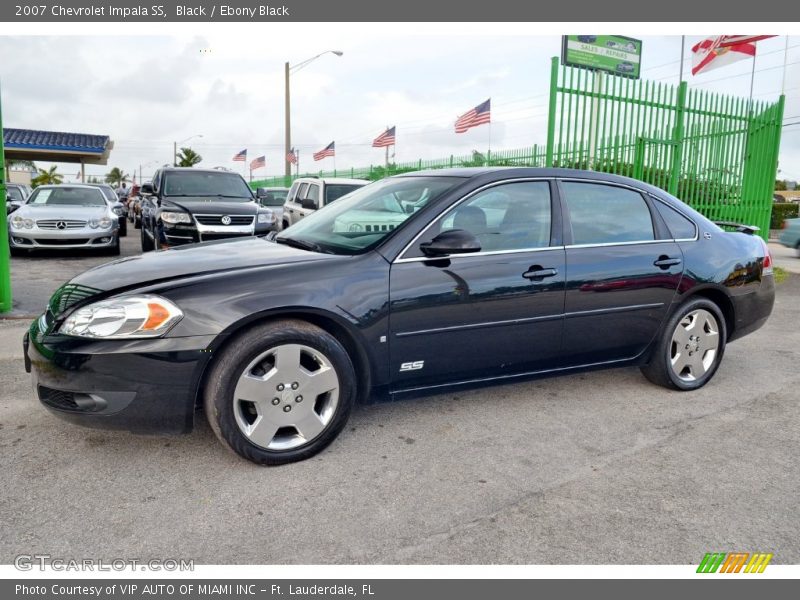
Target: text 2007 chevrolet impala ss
[411, 284]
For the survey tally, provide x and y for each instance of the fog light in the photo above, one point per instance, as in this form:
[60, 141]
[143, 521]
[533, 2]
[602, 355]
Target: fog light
[105, 240]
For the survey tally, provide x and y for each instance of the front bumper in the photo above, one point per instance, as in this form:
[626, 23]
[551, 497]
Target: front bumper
[143, 386]
[31, 239]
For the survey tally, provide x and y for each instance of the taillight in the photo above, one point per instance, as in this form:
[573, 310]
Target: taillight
[766, 267]
[784, 224]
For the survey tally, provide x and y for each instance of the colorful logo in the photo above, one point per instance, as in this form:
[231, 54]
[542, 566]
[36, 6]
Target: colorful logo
[734, 562]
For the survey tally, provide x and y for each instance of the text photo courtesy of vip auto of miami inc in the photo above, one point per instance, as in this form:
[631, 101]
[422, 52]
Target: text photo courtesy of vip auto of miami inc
[492, 298]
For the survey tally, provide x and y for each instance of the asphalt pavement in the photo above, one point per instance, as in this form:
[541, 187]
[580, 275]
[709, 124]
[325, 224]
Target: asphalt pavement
[594, 468]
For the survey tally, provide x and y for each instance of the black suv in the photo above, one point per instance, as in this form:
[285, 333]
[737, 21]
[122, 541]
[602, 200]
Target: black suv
[187, 205]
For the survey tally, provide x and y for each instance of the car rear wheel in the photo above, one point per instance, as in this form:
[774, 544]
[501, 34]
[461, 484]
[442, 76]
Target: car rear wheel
[280, 393]
[691, 347]
[797, 250]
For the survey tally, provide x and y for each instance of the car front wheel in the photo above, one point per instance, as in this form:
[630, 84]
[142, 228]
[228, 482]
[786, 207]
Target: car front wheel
[280, 393]
[691, 347]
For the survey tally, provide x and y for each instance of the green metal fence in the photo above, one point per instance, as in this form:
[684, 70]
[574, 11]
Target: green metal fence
[5, 273]
[717, 153]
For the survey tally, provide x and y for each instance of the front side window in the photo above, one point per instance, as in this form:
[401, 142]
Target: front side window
[366, 216]
[606, 214]
[14, 194]
[313, 192]
[511, 216]
[206, 184]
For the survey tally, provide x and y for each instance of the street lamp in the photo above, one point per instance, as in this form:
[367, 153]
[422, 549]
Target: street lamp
[152, 162]
[288, 70]
[175, 147]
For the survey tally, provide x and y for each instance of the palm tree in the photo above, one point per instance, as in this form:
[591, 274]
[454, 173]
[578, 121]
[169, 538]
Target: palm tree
[116, 177]
[20, 164]
[188, 157]
[49, 177]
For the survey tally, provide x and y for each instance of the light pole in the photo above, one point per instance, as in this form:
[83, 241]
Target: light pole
[287, 71]
[152, 162]
[175, 147]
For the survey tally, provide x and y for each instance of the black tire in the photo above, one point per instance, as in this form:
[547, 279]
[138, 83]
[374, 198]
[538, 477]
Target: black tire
[18, 252]
[147, 243]
[137, 222]
[234, 359]
[123, 227]
[285, 225]
[660, 370]
[114, 249]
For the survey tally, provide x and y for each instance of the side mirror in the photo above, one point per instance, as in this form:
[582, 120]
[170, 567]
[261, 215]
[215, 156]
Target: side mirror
[309, 204]
[261, 193]
[452, 241]
[147, 188]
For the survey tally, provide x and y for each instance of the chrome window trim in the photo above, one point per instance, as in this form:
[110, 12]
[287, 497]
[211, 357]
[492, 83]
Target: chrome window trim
[471, 254]
[401, 258]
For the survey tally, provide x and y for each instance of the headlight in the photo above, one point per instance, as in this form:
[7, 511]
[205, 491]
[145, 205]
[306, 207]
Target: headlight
[17, 222]
[104, 223]
[175, 217]
[93, 223]
[266, 217]
[355, 227]
[123, 317]
[118, 210]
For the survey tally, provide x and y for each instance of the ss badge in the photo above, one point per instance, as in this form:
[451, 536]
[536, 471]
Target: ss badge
[412, 366]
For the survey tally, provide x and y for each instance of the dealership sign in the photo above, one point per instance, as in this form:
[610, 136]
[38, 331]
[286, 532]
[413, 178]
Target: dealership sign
[613, 53]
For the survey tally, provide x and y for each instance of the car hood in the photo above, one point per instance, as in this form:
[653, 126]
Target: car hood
[61, 211]
[211, 206]
[191, 260]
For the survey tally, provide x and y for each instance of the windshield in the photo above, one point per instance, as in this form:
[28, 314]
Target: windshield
[334, 191]
[367, 215]
[68, 195]
[273, 197]
[205, 183]
[14, 194]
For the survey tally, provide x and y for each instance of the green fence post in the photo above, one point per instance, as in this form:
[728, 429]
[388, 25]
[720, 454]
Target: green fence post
[677, 138]
[551, 120]
[5, 262]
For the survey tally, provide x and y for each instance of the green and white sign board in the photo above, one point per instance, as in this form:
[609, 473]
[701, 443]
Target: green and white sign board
[612, 53]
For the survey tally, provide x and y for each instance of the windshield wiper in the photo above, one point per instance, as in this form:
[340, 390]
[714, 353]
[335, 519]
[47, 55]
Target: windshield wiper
[302, 244]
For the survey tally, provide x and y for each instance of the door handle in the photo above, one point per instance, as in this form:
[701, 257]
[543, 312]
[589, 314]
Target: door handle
[537, 273]
[665, 262]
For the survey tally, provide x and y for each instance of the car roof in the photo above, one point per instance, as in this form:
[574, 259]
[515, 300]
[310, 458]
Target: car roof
[88, 186]
[199, 170]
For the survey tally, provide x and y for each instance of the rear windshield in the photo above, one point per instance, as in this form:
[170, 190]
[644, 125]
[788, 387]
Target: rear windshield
[273, 197]
[68, 195]
[217, 184]
[335, 191]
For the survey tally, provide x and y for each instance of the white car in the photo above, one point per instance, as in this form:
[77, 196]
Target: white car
[64, 217]
[308, 194]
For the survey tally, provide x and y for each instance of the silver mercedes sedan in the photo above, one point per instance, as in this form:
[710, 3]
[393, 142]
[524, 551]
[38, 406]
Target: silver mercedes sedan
[69, 216]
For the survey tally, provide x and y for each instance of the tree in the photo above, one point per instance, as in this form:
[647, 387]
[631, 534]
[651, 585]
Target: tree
[20, 164]
[49, 177]
[116, 177]
[188, 157]
[780, 185]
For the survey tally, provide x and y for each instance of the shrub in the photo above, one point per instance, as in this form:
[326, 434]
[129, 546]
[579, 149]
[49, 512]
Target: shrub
[782, 211]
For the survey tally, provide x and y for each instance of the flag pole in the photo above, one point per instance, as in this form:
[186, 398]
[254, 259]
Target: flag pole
[683, 46]
[785, 55]
[753, 76]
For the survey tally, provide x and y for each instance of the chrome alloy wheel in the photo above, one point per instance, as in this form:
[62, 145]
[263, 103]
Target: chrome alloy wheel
[695, 345]
[286, 397]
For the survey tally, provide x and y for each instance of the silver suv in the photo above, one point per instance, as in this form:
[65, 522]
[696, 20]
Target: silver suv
[308, 194]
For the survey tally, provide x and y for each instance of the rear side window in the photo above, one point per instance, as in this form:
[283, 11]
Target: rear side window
[606, 214]
[679, 226]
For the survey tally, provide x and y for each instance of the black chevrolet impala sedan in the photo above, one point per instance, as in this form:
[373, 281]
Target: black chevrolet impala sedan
[407, 286]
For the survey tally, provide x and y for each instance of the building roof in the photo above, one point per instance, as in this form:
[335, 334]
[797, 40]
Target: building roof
[56, 146]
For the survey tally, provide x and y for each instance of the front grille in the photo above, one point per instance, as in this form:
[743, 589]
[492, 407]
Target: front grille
[58, 398]
[69, 294]
[237, 220]
[53, 224]
[59, 242]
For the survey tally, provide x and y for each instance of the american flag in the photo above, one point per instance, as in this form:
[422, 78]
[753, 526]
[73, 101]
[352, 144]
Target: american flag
[329, 150]
[477, 116]
[292, 156]
[384, 139]
[241, 157]
[258, 163]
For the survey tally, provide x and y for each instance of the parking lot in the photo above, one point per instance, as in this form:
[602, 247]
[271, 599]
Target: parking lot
[593, 468]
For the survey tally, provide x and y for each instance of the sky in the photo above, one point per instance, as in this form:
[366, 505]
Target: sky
[147, 92]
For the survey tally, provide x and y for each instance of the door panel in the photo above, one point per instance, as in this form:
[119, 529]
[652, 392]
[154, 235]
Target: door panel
[616, 299]
[474, 317]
